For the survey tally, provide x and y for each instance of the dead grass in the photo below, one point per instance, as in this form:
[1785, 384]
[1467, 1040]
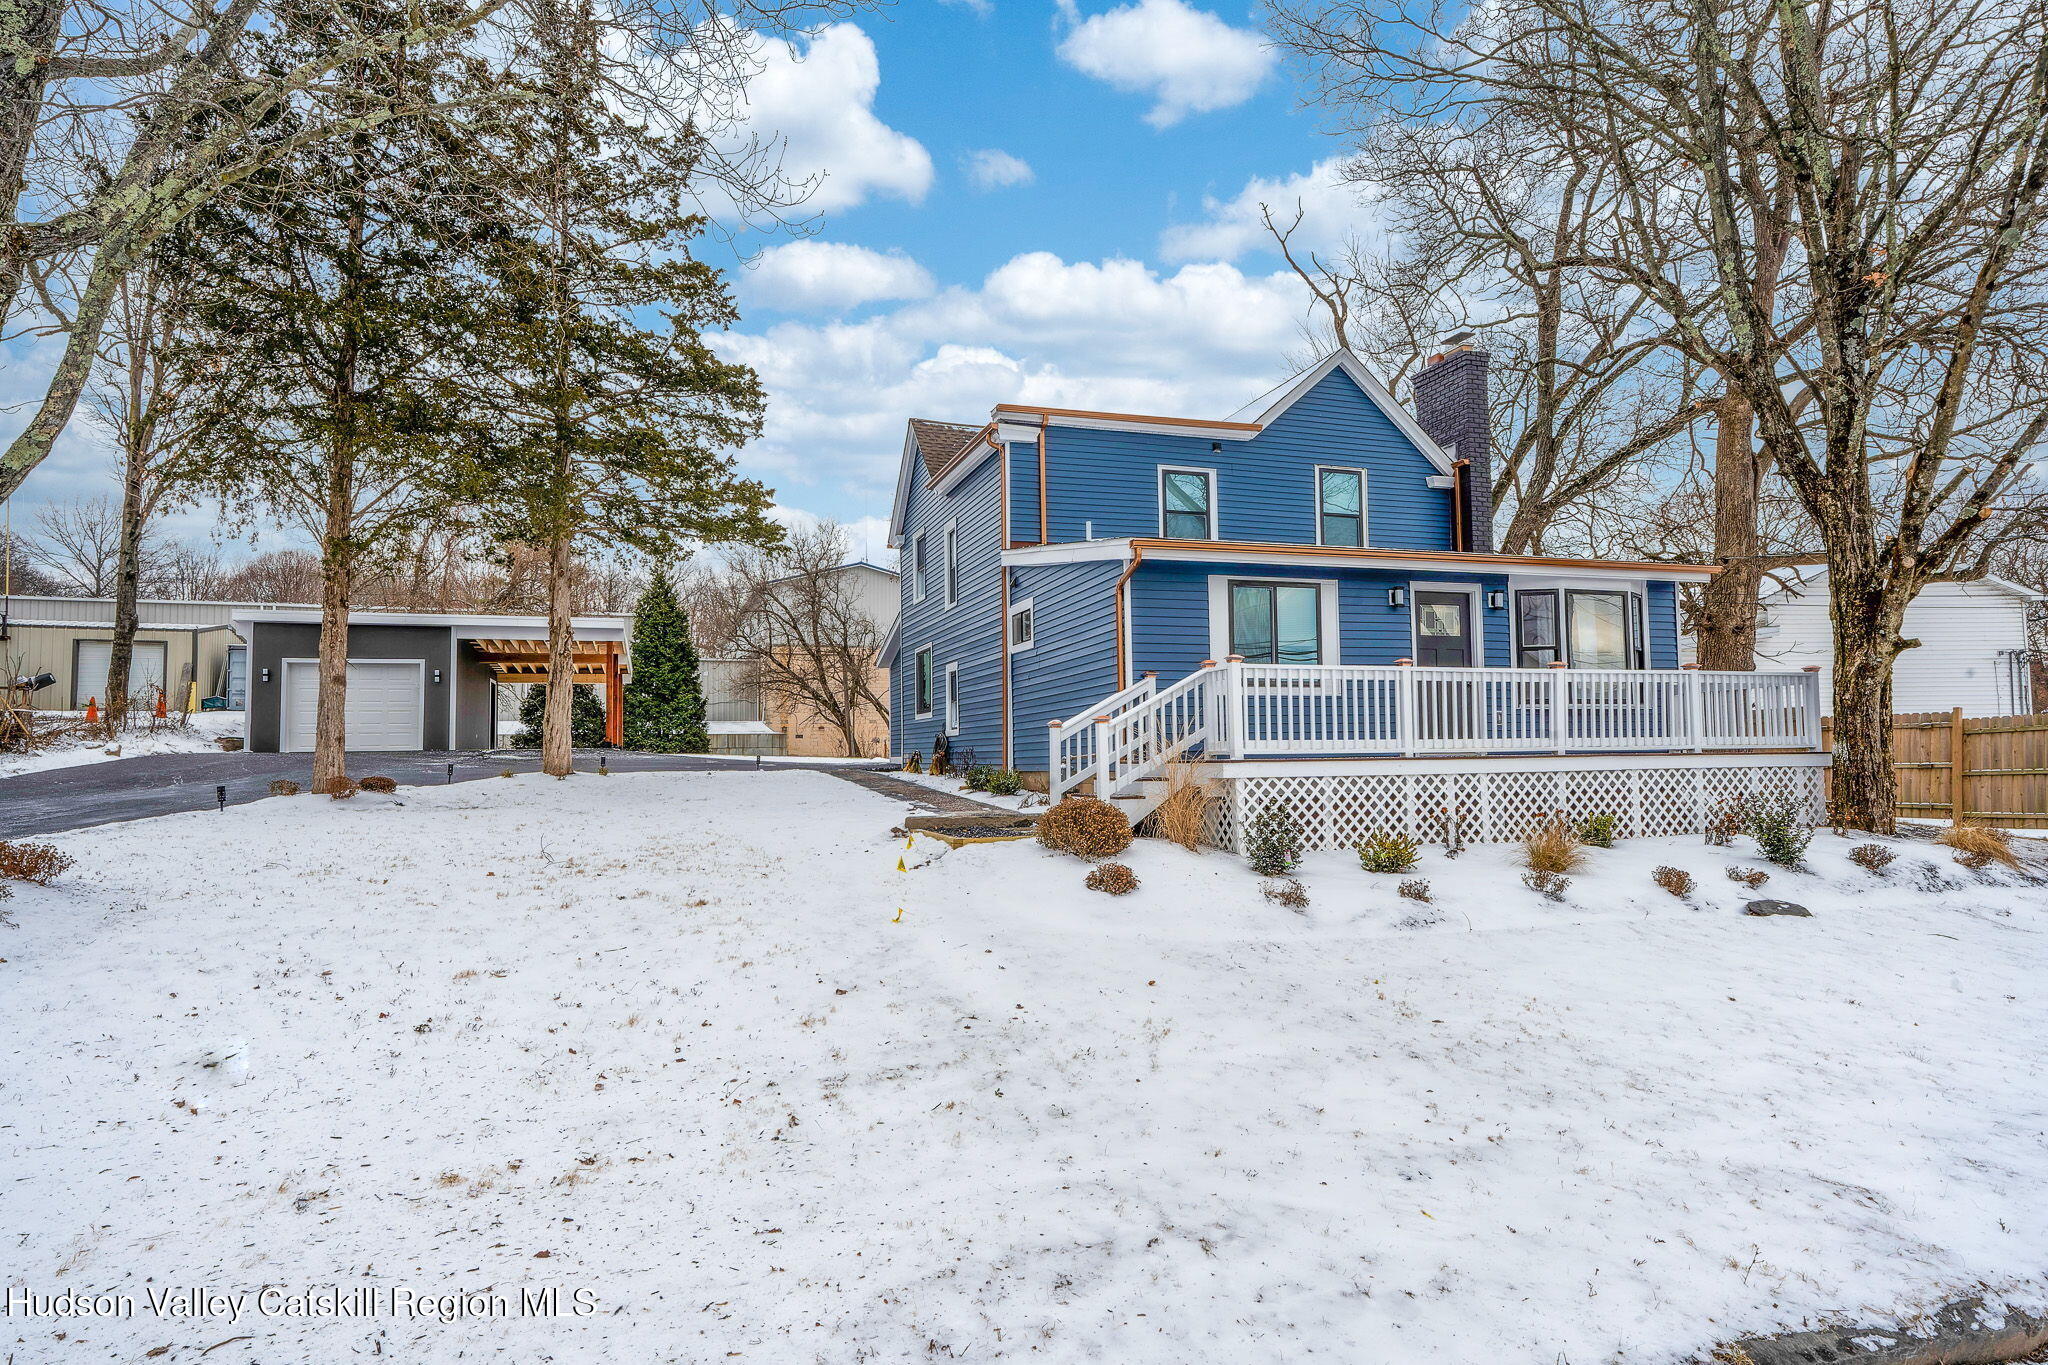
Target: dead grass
[1553, 847]
[1183, 814]
[1978, 845]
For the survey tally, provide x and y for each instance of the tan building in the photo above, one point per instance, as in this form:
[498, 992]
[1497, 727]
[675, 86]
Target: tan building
[187, 648]
[750, 715]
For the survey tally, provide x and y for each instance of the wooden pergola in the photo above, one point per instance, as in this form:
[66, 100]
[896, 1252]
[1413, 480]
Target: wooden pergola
[595, 661]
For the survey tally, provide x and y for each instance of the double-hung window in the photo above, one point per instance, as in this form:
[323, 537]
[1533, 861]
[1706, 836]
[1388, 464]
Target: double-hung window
[1022, 626]
[1340, 507]
[1187, 504]
[952, 563]
[923, 683]
[917, 567]
[1276, 623]
[952, 699]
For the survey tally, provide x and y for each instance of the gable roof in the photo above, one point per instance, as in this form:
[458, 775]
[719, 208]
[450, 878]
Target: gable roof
[1810, 579]
[942, 443]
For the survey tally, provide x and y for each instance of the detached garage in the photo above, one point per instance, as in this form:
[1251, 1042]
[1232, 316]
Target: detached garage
[416, 681]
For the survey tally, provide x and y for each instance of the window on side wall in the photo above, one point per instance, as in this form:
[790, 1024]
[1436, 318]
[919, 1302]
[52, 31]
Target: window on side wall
[924, 683]
[952, 564]
[917, 567]
[1022, 626]
[952, 699]
[1276, 623]
[1187, 504]
[1340, 507]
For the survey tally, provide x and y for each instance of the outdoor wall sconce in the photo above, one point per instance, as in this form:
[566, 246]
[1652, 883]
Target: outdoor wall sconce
[1497, 598]
[1397, 597]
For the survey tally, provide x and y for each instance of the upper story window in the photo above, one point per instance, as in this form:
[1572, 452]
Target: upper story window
[917, 567]
[1340, 507]
[1187, 504]
[952, 563]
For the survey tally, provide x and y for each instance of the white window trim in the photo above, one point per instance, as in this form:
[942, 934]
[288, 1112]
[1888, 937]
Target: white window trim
[930, 670]
[917, 567]
[1017, 609]
[949, 572]
[1364, 506]
[952, 699]
[1475, 617]
[1330, 649]
[1215, 496]
[1569, 583]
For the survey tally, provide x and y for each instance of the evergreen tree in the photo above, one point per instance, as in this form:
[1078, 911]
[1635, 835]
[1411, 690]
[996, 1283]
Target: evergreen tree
[586, 717]
[665, 700]
[604, 415]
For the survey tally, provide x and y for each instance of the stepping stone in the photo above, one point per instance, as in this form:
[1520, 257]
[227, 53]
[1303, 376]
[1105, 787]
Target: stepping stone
[1776, 908]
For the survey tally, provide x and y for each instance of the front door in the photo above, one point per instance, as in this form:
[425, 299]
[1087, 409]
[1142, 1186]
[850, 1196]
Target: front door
[1443, 630]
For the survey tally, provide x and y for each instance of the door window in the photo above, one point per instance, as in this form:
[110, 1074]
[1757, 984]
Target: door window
[1276, 623]
[1443, 629]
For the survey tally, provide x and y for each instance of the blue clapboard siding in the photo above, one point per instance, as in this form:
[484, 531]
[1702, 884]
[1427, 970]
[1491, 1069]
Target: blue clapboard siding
[970, 633]
[1170, 613]
[1073, 663]
[1660, 605]
[1024, 492]
[1108, 481]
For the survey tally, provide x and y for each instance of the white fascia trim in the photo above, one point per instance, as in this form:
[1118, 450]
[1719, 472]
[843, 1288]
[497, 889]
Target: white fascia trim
[1504, 763]
[1376, 391]
[1084, 551]
[1068, 552]
[465, 627]
[1220, 433]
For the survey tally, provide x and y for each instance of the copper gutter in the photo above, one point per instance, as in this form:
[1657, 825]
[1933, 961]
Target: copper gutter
[1088, 414]
[1370, 555]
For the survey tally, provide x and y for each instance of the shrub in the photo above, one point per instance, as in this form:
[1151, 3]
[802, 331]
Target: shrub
[1285, 891]
[975, 779]
[1978, 845]
[1676, 880]
[1552, 847]
[1781, 831]
[1183, 815]
[1597, 829]
[506, 773]
[344, 789]
[1872, 858]
[1751, 877]
[38, 863]
[1415, 889]
[1001, 782]
[1389, 853]
[1086, 828]
[1112, 879]
[384, 786]
[1551, 885]
[1273, 844]
[284, 786]
[1725, 820]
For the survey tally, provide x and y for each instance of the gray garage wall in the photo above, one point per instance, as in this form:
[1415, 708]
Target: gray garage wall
[277, 641]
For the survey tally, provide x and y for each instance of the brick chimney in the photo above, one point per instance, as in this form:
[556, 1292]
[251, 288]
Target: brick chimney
[1450, 404]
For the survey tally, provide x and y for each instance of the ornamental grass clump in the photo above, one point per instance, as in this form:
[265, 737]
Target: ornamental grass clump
[1273, 843]
[1389, 853]
[1552, 847]
[1112, 879]
[1086, 828]
[1184, 814]
[1978, 845]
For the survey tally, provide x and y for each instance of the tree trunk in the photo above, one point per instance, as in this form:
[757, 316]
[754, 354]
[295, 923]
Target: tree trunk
[557, 757]
[127, 588]
[337, 568]
[1864, 785]
[1726, 623]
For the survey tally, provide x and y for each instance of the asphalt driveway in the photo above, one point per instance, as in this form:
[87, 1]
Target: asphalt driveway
[164, 784]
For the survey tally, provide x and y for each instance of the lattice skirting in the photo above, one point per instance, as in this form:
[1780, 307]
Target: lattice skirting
[1499, 800]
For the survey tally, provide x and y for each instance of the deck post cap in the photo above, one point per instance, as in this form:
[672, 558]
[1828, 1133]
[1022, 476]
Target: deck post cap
[1811, 668]
[1237, 658]
[1689, 667]
[1208, 663]
[1404, 663]
[1560, 664]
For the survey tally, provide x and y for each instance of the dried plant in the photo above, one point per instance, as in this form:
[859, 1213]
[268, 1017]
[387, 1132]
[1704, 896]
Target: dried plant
[1184, 814]
[1112, 879]
[284, 786]
[1872, 858]
[1676, 880]
[1415, 889]
[1751, 877]
[382, 785]
[1553, 847]
[1550, 885]
[1285, 891]
[1978, 845]
[1086, 828]
[38, 863]
[344, 789]
[1725, 820]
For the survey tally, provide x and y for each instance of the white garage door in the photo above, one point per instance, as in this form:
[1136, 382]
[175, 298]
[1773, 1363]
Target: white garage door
[386, 704]
[145, 672]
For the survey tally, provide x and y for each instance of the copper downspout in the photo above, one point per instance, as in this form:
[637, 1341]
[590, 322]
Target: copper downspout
[1004, 625]
[1122, 663]
[1461, 498]
[1044, 532]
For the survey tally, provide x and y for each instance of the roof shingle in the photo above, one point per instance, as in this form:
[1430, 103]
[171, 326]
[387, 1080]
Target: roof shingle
[941, 443]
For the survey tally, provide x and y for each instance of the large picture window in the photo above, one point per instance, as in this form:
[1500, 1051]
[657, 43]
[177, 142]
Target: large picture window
[1276, 623]
[1586, 628]
[1340, 507]
[924, 681]
[1187, 504]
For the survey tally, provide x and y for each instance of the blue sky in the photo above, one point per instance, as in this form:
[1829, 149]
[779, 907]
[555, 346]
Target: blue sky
[1015, 200]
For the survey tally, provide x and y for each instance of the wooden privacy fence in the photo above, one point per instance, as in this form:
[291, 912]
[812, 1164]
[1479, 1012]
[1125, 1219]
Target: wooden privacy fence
[1998, 765]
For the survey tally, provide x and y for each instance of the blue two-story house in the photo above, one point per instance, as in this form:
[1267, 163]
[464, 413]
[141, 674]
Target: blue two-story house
[1310, 579]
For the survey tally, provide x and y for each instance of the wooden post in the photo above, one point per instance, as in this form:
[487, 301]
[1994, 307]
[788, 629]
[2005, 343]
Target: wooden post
[1560, 707]
[614, 697]
[1956, 778]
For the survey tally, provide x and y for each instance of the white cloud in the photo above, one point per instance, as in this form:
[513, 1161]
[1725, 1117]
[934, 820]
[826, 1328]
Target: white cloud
[832, 275]
[994, 169]
[1113, 334]
[818, 98]
[1187, 60]
[1331, 212]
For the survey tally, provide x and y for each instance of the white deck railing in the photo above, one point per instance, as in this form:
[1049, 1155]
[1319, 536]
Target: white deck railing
[1241, 710]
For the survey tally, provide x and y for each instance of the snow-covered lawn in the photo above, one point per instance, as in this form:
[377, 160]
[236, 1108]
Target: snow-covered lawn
[665, 1038]
[201, 732]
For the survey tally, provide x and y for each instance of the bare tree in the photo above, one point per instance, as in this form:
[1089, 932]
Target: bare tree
[79, 545]
[1898, 153]
[809, 638]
